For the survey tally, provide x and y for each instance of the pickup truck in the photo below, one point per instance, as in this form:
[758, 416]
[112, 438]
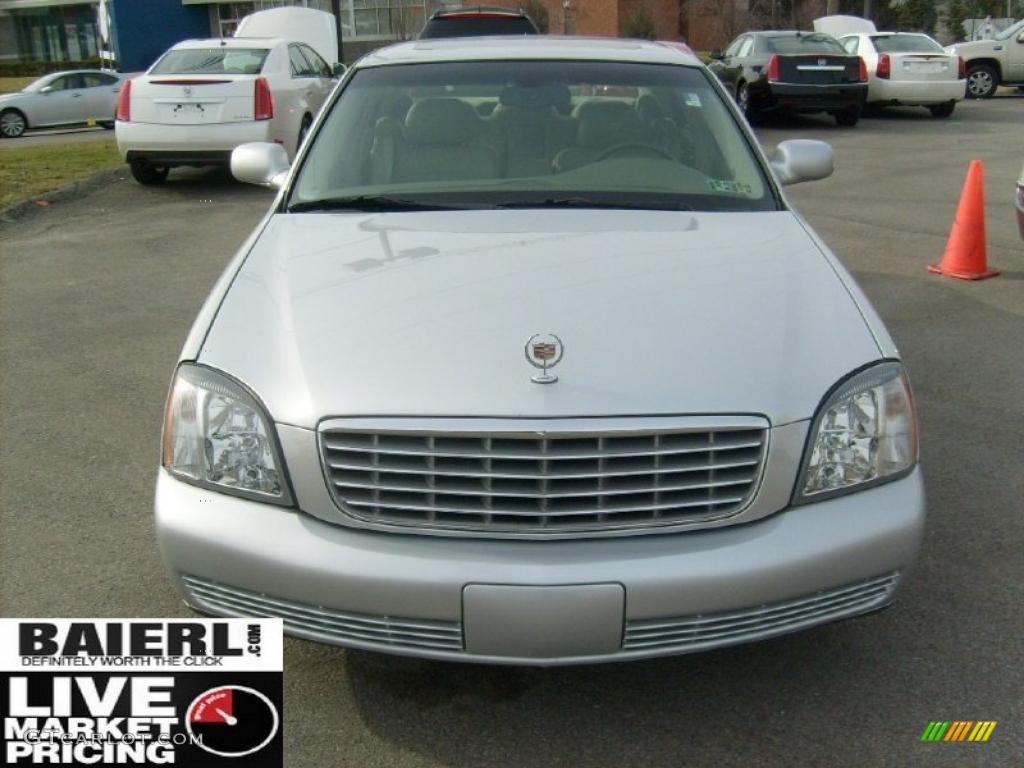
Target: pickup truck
[991, 63]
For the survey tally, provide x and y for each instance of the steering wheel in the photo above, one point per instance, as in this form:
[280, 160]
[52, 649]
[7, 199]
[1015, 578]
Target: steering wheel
[633, 145]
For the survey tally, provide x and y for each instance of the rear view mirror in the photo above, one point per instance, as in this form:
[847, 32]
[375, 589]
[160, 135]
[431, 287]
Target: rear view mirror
[260, 162]
[339, 69]
[717, 55]
[802, 160]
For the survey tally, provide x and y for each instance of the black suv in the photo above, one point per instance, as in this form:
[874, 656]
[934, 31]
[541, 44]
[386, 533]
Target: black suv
[477, 21]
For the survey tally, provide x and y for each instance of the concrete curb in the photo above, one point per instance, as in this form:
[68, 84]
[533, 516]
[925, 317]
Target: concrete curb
[25, 208]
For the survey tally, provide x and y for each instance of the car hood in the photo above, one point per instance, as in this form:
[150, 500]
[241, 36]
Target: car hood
[428, 313]
[976, 48]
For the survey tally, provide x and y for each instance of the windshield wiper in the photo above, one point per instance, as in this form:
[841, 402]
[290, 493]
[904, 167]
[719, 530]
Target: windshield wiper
[368, 203]
[585, 202]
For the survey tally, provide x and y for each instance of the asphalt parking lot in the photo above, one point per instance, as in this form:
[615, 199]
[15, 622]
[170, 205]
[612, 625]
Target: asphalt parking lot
[97, 294]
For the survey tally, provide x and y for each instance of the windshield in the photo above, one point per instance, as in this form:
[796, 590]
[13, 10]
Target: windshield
[42, 82]
[476, 26]
[1011, 31]
[803, 44]
[533, 133]
[211, 61]
[906, 44]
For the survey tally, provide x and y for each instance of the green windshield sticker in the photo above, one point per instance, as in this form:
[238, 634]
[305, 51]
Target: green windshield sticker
[732, 187]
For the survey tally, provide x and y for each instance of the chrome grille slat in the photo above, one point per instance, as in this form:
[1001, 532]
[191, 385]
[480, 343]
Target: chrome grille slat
[507, 454]
[543, 493]
[543, 482]
[491, 510]
[321, 623]
[689, 632]
[490, 475]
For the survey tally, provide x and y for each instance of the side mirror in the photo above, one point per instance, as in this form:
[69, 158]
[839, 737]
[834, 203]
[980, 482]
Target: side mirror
[46, 89]
[339, 69]
[1020, 37]
[802, 160]
[717, 55]
[260, 162]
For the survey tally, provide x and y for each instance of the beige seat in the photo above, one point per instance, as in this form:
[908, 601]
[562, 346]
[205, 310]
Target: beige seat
[601, 125]
[529, 131]
[442, 140]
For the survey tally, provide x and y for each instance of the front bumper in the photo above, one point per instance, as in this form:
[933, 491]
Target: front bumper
[540, 602]
[796, 97]
[201, 144]
[915, 93]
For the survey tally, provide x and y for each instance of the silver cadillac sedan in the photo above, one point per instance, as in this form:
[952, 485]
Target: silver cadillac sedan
[532, 362]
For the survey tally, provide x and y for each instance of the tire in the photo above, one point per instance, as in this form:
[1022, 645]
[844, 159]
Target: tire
[752, 113]
[12, 124]
[847, 118]
[942, 110]
[982, 81]
[147, 174]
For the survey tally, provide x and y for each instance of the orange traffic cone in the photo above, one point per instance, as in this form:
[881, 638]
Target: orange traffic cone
[965, 255]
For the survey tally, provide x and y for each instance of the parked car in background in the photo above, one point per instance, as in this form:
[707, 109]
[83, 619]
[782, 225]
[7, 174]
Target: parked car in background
[793, 72]
[203, 98]
[476, 21]
[1020, 203]
[910, 69]
[995, 62]
[573, 486]
[75, 97]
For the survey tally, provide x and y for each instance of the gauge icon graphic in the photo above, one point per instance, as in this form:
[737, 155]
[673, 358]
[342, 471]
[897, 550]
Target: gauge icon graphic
[232, 721]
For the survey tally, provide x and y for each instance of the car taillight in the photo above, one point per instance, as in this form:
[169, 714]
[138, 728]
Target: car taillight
[124, 102]
[773, 69]
[263, 107]
[884, 66]
[961, 70]
[862, 70]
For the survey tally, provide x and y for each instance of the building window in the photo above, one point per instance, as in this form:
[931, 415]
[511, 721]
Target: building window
[228, 16]
[387, 18]
[66, 33]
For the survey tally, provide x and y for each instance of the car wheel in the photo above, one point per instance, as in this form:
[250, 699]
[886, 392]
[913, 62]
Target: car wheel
[982, 81]
[12, 124]
[847, 117]
[307, 121]
[148, 174]
[942, 110]
[749, 111]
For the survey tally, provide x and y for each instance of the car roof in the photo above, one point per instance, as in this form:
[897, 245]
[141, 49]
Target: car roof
[230, 42]
[110, 72]
[468, 10]
[535, 47]
[789, 33]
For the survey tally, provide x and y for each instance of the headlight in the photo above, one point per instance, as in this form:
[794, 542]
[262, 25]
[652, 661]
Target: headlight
[217, 435]
[865, 433]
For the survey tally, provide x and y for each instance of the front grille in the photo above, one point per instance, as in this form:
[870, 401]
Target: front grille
[692, 633]
[323, 624]
[502, 482]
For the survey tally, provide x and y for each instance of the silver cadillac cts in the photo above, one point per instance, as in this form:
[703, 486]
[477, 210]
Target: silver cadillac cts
[532, 362]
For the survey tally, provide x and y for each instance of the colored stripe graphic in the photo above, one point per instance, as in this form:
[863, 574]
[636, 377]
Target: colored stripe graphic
[935, 730]
[982, 730]
[958, 730]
